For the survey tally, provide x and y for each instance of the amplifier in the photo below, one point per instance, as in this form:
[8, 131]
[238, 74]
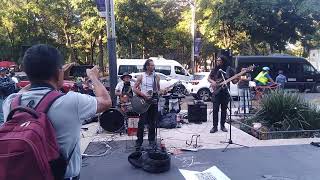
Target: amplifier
[197, 113]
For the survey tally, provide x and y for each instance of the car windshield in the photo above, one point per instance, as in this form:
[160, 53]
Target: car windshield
[198, 77]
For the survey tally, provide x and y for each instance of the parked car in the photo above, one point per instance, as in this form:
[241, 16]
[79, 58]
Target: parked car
[23, 81]
[200, 85]
[179, 86]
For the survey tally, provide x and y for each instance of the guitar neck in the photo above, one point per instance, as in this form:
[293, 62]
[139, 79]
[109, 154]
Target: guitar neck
[233, 77]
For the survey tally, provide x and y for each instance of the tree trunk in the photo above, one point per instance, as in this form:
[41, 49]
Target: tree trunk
[92, 47]
[254, 50]
[271, 48]
[100, 58]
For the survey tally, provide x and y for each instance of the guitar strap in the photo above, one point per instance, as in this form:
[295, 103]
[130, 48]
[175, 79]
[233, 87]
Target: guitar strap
[155, 89]
[154, 86]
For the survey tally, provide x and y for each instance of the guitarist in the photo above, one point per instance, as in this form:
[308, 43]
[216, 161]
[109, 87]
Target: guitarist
[222, 97]
[148, 82]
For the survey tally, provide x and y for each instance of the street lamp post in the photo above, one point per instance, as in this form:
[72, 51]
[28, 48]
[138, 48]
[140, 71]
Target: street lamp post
[106, 9]
[193, 11]
[112, 49]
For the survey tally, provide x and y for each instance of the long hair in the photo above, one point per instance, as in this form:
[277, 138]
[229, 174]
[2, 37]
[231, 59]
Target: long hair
[147, 64]
[224, 66]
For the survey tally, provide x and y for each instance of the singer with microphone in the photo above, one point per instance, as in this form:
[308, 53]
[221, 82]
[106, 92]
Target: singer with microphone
[221, 98]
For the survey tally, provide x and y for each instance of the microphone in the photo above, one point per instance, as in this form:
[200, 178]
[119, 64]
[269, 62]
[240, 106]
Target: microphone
[220, 70]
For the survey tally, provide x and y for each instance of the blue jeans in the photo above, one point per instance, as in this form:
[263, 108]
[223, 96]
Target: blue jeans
[244, 98]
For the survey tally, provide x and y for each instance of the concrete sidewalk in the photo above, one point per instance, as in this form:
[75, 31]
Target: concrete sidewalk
[176, 138]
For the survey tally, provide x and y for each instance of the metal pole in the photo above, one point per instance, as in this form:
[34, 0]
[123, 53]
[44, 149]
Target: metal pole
[193, 11]
[111, 45]
[131, 50]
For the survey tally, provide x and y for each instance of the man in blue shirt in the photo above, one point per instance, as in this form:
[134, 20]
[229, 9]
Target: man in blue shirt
[281, 79]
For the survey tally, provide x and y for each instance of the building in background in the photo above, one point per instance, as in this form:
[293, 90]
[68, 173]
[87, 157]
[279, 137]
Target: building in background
[314, 58]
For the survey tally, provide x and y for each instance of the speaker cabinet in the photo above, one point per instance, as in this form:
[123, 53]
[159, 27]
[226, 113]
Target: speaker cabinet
[197, 113]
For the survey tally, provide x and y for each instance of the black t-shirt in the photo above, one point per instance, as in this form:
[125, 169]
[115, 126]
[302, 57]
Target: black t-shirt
[216, 75]
[244, 83]
[127, 89]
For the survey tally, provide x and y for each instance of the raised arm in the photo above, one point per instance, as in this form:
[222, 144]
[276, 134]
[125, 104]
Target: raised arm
[102, 95]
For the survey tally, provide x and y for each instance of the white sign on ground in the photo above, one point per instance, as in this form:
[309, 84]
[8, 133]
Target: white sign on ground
[212, 173]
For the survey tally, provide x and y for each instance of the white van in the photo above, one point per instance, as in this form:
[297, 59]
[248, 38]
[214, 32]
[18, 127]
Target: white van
[171, 68]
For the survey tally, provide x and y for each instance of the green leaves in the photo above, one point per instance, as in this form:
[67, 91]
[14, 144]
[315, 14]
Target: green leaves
[160, 27]
[283, 111]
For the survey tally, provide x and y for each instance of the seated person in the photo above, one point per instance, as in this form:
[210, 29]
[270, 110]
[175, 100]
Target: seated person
[124, 89]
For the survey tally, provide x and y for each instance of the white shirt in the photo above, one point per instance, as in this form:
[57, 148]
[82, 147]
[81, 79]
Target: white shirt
[147, 82]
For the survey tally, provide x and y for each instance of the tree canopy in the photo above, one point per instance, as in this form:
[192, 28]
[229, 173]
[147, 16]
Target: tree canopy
[147, 28]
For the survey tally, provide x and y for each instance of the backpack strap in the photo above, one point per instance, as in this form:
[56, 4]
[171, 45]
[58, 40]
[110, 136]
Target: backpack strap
[47, 100]
[44, 106]
[15, 102]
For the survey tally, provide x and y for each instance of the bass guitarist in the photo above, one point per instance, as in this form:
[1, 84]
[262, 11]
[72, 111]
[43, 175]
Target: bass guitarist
[147, 86]
[221, 97]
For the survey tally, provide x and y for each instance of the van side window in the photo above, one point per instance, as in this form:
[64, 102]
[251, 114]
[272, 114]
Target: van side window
[294, 68]
[127, 68]
[179, 70]
[140, 68]
[166, 70]
[308, 69]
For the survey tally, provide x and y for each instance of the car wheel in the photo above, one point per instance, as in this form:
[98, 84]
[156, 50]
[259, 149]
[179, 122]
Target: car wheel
[179, 89]
[316, 88]
[204, 94]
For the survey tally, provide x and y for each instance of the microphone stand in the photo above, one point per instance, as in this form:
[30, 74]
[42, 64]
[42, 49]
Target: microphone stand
[230, 119]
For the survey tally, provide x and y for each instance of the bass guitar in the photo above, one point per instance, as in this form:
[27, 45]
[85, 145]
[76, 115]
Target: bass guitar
[221, 84]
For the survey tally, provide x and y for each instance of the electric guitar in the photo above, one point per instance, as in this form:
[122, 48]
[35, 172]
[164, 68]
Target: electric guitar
[223, 84]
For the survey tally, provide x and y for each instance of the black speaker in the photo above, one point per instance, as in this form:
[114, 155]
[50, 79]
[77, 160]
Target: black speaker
[197, 113]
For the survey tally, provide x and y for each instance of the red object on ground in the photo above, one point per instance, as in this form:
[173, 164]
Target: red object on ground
[133, 125]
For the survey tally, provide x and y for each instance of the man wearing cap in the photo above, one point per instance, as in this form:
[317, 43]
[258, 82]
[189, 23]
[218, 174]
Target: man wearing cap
[124, 89]
[263, 78]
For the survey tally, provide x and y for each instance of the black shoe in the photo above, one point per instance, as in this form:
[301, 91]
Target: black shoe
[224, 129]
[214, 130]
[138, 146]
[152, 144]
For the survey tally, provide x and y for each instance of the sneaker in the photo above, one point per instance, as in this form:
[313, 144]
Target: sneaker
[224, 129]
[214, 130]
